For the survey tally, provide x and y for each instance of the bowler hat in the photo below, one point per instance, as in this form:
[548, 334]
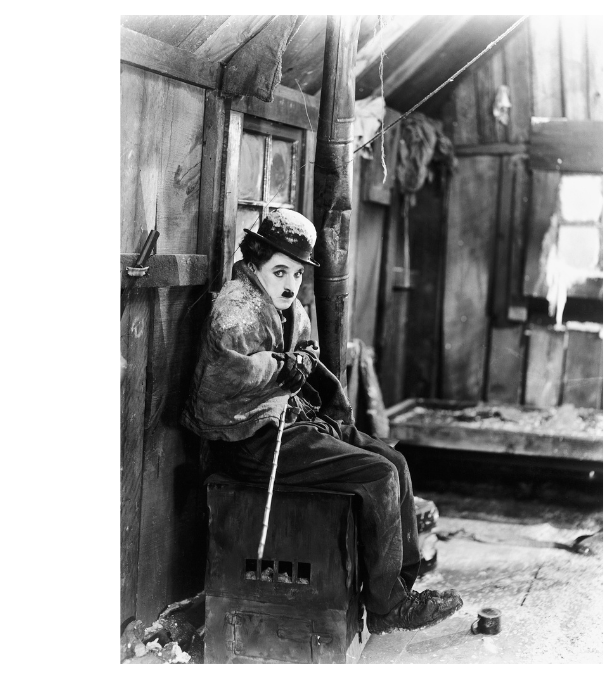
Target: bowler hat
[288, 232]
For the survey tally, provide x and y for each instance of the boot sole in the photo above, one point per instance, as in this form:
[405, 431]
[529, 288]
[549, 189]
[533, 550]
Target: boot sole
[426, 625]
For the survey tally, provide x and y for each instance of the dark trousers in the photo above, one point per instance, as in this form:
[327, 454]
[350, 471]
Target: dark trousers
[325, 455]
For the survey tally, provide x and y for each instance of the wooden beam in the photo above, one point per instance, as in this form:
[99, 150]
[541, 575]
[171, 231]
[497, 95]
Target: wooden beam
[289, 106]
[566, 145]
[165, 271]
[135, 324]
[232, 34]
[159, 57]
[215, 146]
[499, 149]
[423, 54]
[392, 31]
[231, 193]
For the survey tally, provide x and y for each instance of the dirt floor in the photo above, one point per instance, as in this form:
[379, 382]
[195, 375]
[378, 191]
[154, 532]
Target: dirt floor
[504, 548]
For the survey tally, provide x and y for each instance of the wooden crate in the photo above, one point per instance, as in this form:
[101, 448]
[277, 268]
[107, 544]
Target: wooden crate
[462, 436]
[308, 611]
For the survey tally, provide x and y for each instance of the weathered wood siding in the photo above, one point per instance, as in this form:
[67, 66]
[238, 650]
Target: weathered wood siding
[497, 209]
[162, 134]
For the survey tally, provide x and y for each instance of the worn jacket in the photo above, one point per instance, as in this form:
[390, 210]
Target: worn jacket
[234, 390]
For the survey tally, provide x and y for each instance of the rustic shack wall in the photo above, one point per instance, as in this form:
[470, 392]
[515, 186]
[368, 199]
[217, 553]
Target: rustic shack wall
[180, 149]
[491, 347]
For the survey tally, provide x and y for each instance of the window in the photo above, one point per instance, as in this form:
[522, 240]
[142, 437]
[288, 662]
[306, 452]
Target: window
[574, 251]
[269, 173]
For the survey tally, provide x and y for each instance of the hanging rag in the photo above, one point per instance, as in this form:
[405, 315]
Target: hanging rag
[422, 141]
[255, 69]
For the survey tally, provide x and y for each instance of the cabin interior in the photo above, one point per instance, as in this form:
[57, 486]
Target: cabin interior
[474, 257]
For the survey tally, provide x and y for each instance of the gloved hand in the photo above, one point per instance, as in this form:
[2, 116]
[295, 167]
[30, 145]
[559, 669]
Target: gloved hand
[297, 366]
[311, 348]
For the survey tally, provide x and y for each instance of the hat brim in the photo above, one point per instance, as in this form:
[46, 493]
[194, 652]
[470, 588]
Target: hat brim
[272, 244]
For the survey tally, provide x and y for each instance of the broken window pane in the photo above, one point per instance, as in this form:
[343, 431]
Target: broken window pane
[251, 169]
[579, 246]
[281, 171]
[580, 198]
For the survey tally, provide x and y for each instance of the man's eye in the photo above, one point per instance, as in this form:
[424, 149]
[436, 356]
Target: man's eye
[298, 275]
[279, 274]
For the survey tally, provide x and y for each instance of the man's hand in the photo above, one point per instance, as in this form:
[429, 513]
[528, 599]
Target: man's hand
[297, 366]
[310, 347]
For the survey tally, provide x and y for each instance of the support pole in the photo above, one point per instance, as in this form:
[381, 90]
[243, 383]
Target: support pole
[333, 189]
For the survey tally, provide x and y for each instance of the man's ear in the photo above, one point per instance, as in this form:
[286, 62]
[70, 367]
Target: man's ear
[251, 266]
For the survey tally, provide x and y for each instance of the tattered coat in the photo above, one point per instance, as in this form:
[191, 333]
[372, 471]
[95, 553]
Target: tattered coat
[234, 390]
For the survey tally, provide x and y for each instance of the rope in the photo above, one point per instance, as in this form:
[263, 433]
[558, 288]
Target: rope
[381, 74]
[449, 80]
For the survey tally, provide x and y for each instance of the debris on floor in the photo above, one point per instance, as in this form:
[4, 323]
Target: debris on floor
[176, 637]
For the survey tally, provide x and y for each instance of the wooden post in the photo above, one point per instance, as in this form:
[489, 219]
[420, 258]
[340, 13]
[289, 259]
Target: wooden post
[333, 188]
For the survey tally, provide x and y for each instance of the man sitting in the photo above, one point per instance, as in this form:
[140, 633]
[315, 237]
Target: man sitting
[256, 357]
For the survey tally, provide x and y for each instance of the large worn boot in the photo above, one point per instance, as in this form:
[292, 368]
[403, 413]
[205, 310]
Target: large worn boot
[418, 610]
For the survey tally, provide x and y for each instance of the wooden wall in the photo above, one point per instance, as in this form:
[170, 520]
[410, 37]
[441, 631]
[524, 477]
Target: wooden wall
[494, 346]
[180, 146]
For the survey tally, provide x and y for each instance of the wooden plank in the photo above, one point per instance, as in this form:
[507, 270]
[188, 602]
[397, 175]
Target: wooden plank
[171, 555]
[471, 226]
[497, 441]
[446, 29]
[376, 418]
[427, 244]
[161, 132]
[501, 280]
[394, 321]
[485, 92]
[133, 224]
[595, 63]
[583, 381]
[505, 373]
[231, 193]
[231, 34]
[518, 79]
[498, 149]
[519, 219]
[574, 67]
[545, 186]
[567, 145]
[215, 144]
[547, 98]
[134, 349]
[159, 57]
[171, 29]
[290, 107]
[308, 174]
[544, 367]
[368, 263]
[165, 271]
[498, 74]
[465, 99]
[385, 330]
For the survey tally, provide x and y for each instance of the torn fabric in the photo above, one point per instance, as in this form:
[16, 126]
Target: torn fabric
[255, 69]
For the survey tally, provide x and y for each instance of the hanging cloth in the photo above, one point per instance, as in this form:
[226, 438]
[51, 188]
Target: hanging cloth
[255, 69]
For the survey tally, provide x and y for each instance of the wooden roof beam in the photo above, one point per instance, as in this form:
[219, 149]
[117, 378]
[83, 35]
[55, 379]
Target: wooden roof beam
[140, 50]
[231, 36]
[390, 33]
[395, 79]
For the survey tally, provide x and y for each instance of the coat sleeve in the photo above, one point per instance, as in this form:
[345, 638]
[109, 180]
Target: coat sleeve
[234, 367]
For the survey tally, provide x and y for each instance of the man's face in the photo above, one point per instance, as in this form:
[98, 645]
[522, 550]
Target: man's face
[281, 277]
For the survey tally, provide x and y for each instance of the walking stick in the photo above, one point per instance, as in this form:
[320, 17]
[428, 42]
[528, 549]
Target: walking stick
[273, 473]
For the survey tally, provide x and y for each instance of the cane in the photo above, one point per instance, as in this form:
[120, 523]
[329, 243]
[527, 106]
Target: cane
[273, 472]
